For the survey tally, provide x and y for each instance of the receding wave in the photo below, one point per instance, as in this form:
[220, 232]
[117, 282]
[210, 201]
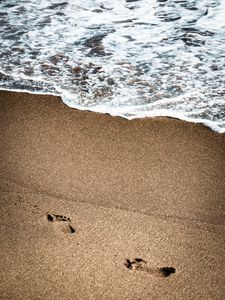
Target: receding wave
[127, 58]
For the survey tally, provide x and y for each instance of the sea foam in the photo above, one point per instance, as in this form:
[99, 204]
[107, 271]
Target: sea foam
[127, 58]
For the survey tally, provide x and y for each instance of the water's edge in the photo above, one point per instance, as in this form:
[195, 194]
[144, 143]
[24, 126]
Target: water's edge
[132, 59]
[206, 123]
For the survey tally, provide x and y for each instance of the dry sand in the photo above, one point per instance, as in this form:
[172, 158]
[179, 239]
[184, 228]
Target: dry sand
[98, 207]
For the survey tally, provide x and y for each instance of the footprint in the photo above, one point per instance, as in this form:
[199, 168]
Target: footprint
[53, 217]
[141, 265]
[61, 218]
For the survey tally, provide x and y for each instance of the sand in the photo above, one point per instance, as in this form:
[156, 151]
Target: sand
[99, 207]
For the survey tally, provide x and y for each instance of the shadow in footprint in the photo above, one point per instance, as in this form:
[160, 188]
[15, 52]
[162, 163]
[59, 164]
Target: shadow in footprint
[72, 230]
[61, 218]
[167, 271]
[141, 265]
[50, 218]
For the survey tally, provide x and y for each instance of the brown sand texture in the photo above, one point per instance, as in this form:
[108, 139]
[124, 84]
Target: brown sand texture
[99, 207]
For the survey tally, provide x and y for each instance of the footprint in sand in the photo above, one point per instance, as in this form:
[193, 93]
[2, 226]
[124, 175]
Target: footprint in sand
[61, 218]
[141, 265]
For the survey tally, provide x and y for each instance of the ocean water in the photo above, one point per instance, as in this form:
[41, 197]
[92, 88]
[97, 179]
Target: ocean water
[130, 58]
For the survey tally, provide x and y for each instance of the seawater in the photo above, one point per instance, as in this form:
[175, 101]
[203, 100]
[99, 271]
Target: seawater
[123, 57]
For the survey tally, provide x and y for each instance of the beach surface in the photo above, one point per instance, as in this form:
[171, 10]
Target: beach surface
[99, 207]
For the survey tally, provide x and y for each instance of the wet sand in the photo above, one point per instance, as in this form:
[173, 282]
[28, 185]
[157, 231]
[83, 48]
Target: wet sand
[98, 207]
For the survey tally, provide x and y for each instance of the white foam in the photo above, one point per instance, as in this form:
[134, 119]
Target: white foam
[28, 91]
[123, 112]
[215, 19]
[150, 58]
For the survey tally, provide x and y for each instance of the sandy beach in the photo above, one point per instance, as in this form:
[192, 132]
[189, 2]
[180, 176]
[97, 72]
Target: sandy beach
[99, 207]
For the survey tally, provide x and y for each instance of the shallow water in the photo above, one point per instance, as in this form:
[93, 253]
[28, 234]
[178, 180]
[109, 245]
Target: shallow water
[128, 58]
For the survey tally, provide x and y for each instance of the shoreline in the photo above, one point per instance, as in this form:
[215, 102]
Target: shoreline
[208, 124]
[140, 195]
